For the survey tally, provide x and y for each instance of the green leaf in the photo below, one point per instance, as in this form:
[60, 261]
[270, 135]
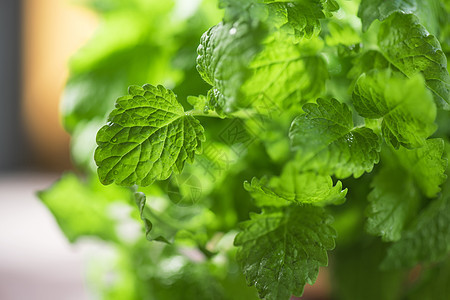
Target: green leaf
[262, 195]
[299, 18]
[85, 208]
[428, 11]
[405, 105]
[426, 165]
[393, 202]
[411, 49]
[327, 141]
[296, 19]
[281, 250]
[427, 241]
[241, 9]
[285, 74]
[367, 61]
[148, 136]
[396, 195]
[162, 233]
[164, 216]
[199, 103]
[370, 10]
[224, 53]
[341, 33]
[296, 186]
[228, 56]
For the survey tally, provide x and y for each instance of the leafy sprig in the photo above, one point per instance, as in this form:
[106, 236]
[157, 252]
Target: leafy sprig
[312, 102]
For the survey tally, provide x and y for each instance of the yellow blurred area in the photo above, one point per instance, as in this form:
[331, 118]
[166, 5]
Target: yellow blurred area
[52, 31]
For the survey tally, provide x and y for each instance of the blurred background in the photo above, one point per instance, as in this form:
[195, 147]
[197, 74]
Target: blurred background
[37, 37]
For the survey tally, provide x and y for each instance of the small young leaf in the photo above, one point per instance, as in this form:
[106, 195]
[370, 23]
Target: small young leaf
[141, 201]
[406, 106]
[262, 195]
[282, 249]
[326, 140]
[148, 136]
[298, 187]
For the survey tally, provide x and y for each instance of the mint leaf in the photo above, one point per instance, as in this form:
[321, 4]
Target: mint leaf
[164, 218]
[341, 33]
[393, 202]
[296, 19]
[224, 54]
[411, 49]
[199, 103]
[370, 10]
[428, 239]
[367, 61]
[296, 186]
[148, 137]
[405, 105]
[398, 187]
[262, 195]
[285, 74]
[228, 55]
[326, 140]
[301, 18]
[163, 233]
[329, 6]
[281, 250]
[428, 11]
[426, 165]
[84, 208]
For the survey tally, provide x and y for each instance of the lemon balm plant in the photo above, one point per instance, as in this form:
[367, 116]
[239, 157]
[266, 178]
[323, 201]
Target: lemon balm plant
[259, 142]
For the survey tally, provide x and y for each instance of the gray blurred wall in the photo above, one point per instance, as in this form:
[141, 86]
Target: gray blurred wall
[12, 141]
